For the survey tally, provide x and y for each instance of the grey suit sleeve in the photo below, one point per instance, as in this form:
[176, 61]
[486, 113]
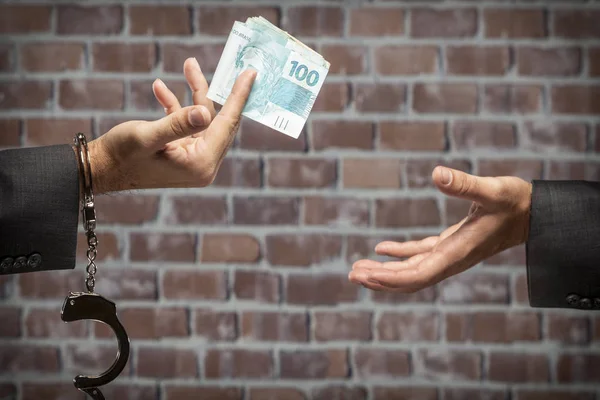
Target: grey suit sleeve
[563, 249]
[39, 200]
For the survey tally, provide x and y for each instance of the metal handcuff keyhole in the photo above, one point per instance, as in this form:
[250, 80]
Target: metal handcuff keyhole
[89, 305]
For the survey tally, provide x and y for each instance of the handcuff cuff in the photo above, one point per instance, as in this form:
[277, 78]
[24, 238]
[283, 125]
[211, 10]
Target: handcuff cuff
[90, 305]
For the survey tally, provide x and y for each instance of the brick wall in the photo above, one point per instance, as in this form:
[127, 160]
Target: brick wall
[239, 291]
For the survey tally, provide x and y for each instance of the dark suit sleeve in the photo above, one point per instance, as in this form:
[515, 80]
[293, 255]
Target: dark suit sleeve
[563, 249]
[39, 200]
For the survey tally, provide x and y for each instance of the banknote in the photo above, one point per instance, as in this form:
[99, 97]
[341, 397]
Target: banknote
[290, 74]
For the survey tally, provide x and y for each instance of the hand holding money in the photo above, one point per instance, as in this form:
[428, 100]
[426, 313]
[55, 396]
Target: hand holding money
[290, 75]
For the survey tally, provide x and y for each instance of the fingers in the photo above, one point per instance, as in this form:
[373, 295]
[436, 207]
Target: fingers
[406, 249]
[221, 132]
[181, 123]
[165, 97]
[198, 84]
[470, 187]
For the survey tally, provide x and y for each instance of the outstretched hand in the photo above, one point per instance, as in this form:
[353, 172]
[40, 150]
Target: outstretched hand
[498, 219]
[183, 149]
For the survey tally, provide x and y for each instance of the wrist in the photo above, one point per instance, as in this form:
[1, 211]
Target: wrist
[99, 168]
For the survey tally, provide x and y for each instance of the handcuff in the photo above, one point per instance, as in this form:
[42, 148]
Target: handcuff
[89, 305]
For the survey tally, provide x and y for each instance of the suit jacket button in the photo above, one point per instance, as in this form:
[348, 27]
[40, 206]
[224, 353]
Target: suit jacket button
[585, 303]
[6, 263]
[573, 300]
[20, 262]
[34, 260]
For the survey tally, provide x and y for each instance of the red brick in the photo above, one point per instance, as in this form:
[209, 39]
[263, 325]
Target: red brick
[563, 61]
[514, 23]
[126, 284]
[195, 285]
[405, 393]
[518, 367]
[253, 136]
[7, 57]
[265, 210]
[583, 368]
[179, 392]
[11, 322]
[564, 170]
[25, 94]
[16, 358]
[230, 248]
[239, 172]
[172, 247]
[522, 99]
[313, 364]
[124, 209]
[174, 55]
[408, 326]
[575, 99]
[339, 392]
[124, 57]
[381, 363]
[376, 22]
[346, 59]
[256, 286]
[301, 173]
[90, 357]
[520, 290]
[525, 169]
[49, 286]
[217, 20]
[302, 250]
[398, 213]
[448, 364]
[24, 18]
[427, 295]
[554, 137]
[576, 24]
[473, 393]
[45, 132]
[471, 135]
[336, 211]
[567, 329]
[159, 20]
[238, 363]
[474, 288]
[215, 326]
[90, 20]
[476, 60]
[150, 323]
[52, 56]
[42, 323]
[368, 173]
[380, 97]
[130, 391]
[201, 210]
[342, 135]
[174, 363]
[363, 246]
[418, 171]
[456, 210]
[274, 326]
[593, 61]
[553, 394]
[346, 325]
[315, 21]
[50, 391]
[141, 95]
[443, 23]
[406, 60]
[9, 390]
[412, 136]
[322, 289]
[332, 97]
[498, 327]
[454, 98]
[99, 94]
[276, 393]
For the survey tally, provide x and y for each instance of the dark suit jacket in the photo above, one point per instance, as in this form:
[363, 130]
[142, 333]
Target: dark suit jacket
[39, 203]
[39, 194]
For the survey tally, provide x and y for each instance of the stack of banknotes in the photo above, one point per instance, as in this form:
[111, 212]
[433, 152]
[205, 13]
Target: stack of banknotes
[290, 74]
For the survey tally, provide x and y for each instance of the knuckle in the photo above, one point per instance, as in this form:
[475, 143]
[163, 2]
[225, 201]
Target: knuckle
[177, 126]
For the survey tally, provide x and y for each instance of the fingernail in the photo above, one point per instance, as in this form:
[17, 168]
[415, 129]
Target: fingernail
[199, 116]
[446, 176]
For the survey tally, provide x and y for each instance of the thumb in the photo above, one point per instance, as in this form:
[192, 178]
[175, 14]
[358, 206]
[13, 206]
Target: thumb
[462, 185]
[179, 124]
